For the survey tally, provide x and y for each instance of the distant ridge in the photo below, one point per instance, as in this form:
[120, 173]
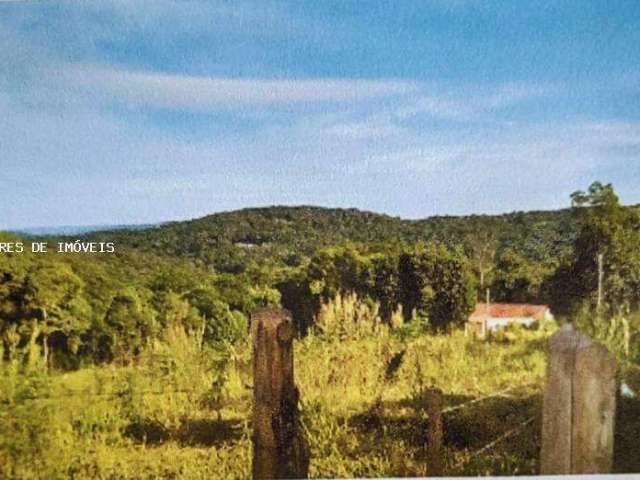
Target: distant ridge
[291, 213]
[288, 236]
[255, 239]
[64, 230]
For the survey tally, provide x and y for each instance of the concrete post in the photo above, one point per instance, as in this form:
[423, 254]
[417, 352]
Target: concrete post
[579, 406]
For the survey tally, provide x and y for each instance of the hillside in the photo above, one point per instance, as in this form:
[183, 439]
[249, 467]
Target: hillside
[75, 229]
[288, 235]
[110, 364]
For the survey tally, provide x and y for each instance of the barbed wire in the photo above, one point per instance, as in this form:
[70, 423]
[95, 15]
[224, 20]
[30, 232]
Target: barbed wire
[123, 394]
[120, 394]
[502, 393]
[464, 405]
[510, 433]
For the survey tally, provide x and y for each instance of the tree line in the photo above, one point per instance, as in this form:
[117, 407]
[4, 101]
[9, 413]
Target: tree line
[210, 274]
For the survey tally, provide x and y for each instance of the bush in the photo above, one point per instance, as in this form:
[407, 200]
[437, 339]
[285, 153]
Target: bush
[348, 317]
[28, 430]
[620, 333]
[230, 326]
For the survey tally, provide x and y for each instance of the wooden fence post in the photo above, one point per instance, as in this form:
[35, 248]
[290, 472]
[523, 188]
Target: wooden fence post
[279, 449]
[434, 433]
[579, 406]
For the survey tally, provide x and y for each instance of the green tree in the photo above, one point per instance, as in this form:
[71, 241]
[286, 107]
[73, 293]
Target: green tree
[384, 283]
[612, 231]
[437, 283]
[53, 295]
[518, 279]
[222, 324]
[482, 246]
[128, 324]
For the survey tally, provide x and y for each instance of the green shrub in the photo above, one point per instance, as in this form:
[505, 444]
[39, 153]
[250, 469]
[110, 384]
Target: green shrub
[346, 316]
[620, 333]
[230, 326]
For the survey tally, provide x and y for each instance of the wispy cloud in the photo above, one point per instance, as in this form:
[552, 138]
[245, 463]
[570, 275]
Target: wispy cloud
[120, 111]
[472, 102]
[364, 130]
[613, 133]
[213, 92]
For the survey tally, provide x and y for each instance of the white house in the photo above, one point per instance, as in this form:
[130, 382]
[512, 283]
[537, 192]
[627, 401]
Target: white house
[490, 317]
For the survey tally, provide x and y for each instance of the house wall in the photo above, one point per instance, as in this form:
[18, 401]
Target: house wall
[495, 323]
[480, 325]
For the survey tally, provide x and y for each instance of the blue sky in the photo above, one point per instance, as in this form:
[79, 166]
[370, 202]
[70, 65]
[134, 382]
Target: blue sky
[132, 111]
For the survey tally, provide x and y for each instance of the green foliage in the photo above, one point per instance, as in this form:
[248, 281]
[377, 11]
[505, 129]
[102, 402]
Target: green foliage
[26, 429]
[216, 270]
[518, 279]
[347, 317]
[408, 329]
[437, 283]
[137, 364]
[106, 422]
[620, 333]
[127, 327]
[277, 239]
[91, 308]
[229, 326]
[183, 410]
[605, 228]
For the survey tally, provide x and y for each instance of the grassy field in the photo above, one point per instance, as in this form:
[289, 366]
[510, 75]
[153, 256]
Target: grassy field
[183, 411]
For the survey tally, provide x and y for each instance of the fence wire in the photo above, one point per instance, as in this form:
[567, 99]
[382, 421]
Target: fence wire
[501, 393]
[510, 433]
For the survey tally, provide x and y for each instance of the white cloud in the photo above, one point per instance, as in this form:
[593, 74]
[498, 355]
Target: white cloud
[368, 129]
[520, 167]
[439, 107]
[613, 133]
[473, 102]
[202, 93]
[511, 94]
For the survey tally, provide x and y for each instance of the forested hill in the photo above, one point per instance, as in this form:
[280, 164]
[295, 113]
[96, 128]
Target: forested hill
[288, 235]
[220, 268]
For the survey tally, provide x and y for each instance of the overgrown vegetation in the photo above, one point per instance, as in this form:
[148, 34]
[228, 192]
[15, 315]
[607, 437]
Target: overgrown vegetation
[182, 410]
[137, 364]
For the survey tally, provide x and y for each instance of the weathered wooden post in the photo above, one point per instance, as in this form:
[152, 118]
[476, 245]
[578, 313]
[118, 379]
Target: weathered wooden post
[434, 433]
[279, 449]
[579, 406]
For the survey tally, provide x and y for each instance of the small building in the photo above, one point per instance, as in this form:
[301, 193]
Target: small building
[487, 318]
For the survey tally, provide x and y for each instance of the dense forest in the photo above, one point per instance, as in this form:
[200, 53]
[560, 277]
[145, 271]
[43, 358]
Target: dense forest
[289, 236]
[137, 363]
[209, 274]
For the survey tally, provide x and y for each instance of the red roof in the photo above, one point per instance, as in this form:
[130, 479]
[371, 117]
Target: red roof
[506, 310]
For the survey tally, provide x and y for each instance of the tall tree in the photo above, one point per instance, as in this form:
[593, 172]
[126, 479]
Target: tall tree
[610, 231]
[482, 245]
[53, 295]
[437, 283]
[517, 278]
